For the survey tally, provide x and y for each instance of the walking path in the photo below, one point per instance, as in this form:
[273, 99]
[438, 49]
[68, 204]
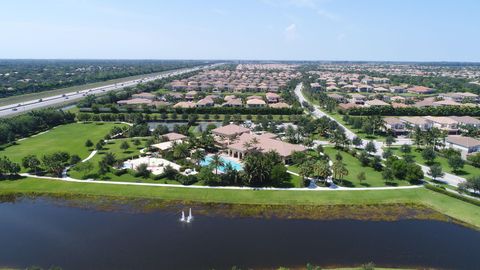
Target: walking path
[448, 178]
[69, 179]
[90, 156]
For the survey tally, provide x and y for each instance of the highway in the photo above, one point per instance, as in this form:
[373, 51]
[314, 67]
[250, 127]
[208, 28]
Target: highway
[26, 106]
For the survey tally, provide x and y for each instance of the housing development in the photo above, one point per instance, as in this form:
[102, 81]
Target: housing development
[264, 134]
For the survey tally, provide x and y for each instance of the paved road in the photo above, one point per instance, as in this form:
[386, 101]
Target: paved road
[319, 113]
[448, 178]
[72, 96]
[68, 179]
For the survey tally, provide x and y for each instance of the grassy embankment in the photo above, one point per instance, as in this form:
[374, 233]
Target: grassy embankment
[373, 178]
[454, 208]
[69, 138]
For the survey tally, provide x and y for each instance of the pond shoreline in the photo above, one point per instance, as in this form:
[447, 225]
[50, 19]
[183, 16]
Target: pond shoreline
[365, 212]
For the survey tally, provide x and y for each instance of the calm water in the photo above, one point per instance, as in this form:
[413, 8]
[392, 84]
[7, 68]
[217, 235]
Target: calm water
[235, 165]
[43, 233]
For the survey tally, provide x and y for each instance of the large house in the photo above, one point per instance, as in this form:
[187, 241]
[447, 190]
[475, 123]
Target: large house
[444, 123]
[461, 97]
[416, 121]
[264, 143]
[466, 145]
[396, 125]
[238, 141]
[420, 90]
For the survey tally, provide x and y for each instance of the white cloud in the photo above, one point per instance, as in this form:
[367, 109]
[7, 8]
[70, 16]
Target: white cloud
[290, 32]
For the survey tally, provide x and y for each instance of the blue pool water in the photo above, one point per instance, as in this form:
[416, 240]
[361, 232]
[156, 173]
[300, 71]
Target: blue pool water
[237, 166]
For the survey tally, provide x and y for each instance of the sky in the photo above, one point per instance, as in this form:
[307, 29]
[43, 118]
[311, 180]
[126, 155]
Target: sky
[369, 30]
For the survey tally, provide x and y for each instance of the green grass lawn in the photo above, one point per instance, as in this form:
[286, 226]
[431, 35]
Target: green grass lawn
[69, 138]
[452, 207]
[354, 166]
[467, 171]
[113, 146]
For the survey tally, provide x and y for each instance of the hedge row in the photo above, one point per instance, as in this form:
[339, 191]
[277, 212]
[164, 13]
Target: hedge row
[414, 111]
[202, 110]
[451, 194]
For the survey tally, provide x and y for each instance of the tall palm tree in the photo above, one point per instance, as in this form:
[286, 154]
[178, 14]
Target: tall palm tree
[217, 162]
[339, 170]
[198, 156]
[180, 150]
[321, 169]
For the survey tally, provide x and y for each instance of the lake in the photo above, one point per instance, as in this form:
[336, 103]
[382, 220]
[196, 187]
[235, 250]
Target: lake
[45, 232]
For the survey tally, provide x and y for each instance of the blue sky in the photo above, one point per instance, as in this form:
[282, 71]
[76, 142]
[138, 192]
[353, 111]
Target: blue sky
[387, 30]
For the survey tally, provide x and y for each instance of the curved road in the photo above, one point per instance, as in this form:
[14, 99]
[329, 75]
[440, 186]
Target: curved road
[448, 178]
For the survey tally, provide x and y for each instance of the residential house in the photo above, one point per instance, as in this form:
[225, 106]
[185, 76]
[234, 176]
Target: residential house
[272, 97]
[420, 90]
[255, 103]
[466, 145]
[416, 121]
[396, 125]
[444, 123]
[357, 99]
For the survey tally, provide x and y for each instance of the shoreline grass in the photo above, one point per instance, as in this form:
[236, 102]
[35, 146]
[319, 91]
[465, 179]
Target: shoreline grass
[451, 207]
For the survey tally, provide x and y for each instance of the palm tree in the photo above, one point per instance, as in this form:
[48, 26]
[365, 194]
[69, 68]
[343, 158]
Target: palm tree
[198, 156]
[321, 169]
[339, 170]
[180, 150]
[217, 162]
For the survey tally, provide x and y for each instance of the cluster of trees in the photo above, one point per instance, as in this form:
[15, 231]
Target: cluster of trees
[30, 76]
[53, 163]
[432, 137]
[8, 168]
[372, 124]
[196, 110]
[415, 111]
[259, 169]
[472, 183]
[32, 122]
[441, 84]
[328, 103]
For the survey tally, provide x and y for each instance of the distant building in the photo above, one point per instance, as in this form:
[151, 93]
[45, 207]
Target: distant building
[465, 145]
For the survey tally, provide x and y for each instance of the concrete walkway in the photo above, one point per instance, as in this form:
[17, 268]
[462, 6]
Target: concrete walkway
[68, 179]
[448, 178]
[90, 156]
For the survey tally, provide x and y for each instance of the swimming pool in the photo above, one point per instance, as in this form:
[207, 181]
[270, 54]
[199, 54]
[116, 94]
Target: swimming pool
[208, 159]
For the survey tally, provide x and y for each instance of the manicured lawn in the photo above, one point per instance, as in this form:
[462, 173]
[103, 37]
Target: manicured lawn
[69, 138]
[113, 146]
[467, 171]
[354, 166]
[452, 207]
[337, 116]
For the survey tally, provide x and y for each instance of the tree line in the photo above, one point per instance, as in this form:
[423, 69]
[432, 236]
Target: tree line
[31, 76]
[414, 111]
[32, 122]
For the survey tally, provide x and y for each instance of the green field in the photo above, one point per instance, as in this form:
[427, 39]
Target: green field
[354, 166]
[467, 171]
[452, 207]
[69, 138]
